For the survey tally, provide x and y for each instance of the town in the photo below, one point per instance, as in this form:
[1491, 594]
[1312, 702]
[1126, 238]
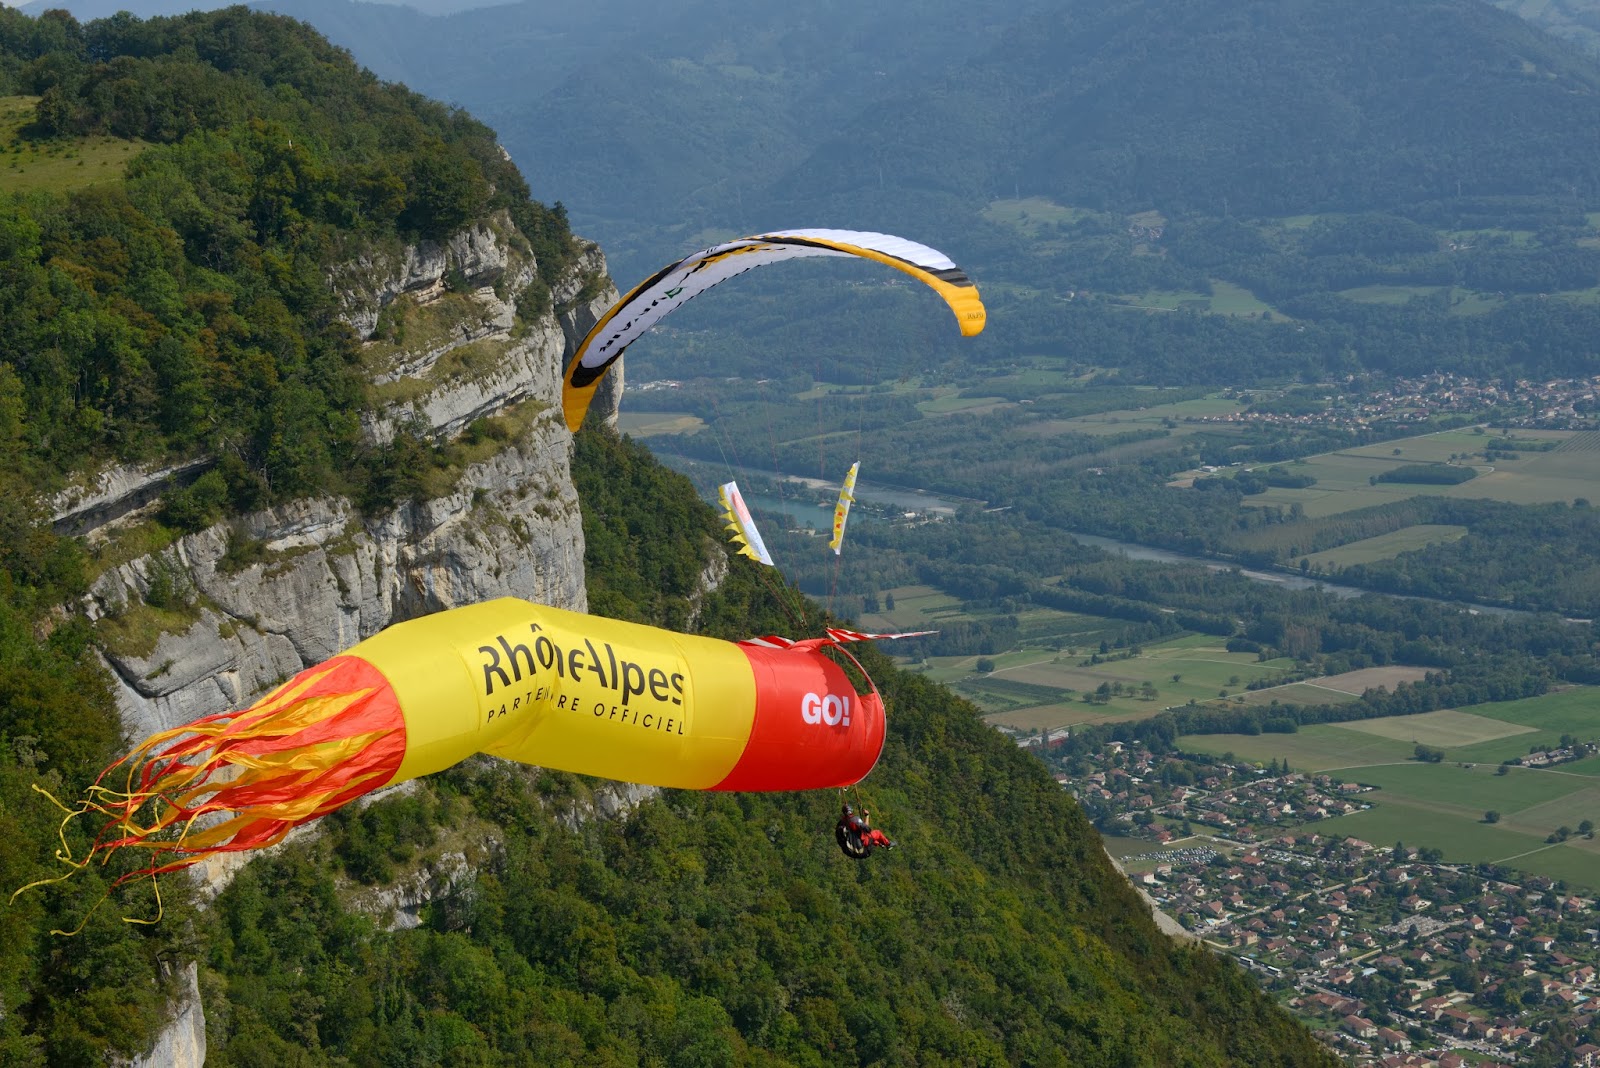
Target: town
[1390, 955]
[1361, 403]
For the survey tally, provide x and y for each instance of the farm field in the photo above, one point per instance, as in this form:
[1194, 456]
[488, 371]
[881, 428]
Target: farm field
[1469, 790]
[1461, 840]
[1444, 729]
[1381, 294]
[1031, 214]
[1343, 478]
[1442, 805]
[1230, 299]
[1386, 546]
[915, 608]
[1572, 710]
[1121, 421]
[955, 402]
[1359, 682]
[1203, 669]
[1297, 693]
[1225, 298]
[1334, 689]
[648, 424]
[924, 608]
[1310, 749]
[1488, 734]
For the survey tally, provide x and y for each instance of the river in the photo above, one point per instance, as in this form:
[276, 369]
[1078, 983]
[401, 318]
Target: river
[805, 510]
[802, 505]
[1279, 578]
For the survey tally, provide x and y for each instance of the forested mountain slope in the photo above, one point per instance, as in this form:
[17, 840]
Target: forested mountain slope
[179, 306]
[1576, 20]
[1254, 108]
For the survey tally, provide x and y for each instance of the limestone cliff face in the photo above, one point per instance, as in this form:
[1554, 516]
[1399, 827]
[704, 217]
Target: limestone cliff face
[322, 576]
[183, 1043]
[328, 577]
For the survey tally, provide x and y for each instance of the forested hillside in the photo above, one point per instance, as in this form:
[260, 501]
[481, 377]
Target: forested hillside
[178, 307]
[727, 929]
[1575, 20]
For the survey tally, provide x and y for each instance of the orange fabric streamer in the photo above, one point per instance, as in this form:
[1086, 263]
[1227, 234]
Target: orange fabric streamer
[324, 738]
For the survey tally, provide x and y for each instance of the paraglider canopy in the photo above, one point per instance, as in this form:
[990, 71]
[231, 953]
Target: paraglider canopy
[677, 283]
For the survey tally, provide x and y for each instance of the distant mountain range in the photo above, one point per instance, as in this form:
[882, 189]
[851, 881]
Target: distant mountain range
[662, 127]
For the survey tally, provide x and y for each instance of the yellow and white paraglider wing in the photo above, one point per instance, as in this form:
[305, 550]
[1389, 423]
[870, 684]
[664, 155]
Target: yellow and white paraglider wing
[669, 288]
[841, 511]
[741, 525]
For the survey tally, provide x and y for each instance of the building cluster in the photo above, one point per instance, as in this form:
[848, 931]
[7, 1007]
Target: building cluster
[1545, 758]
[1240, 801]
[1557, 404]
[1392, 957]
[1386, 956]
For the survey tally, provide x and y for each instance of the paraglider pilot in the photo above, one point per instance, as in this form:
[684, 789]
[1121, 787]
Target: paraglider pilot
[856, 835]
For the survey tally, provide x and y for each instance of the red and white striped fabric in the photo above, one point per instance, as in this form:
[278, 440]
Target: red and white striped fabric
[834, 634]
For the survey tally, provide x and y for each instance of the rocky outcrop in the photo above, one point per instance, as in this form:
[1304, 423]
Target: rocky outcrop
[271, 593]
[118, 491]
[398, 906]
[487, 254]
[323, 577]
[474, 280]
[182, 1043]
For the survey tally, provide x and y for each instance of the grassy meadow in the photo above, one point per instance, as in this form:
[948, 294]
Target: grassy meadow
[57, 165]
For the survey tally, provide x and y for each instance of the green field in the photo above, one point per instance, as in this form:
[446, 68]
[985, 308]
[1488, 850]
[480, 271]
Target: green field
[1462, 301]
[955, 402]
[1447, 728]
[1042, 683]
[1573, 710]
[1380, 294]
[1541, 721]
[1031, 214]
[1462, 840]
[647, 424]
[915, 608]
[1468, 790]
[1442, 805]
[1298, 693]
[59, 164]
[1311, 749]
[1203, 667]
[1386, 546]
[1225, 298]
[1230, 299]
[1344, 477]
[1123, 420]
